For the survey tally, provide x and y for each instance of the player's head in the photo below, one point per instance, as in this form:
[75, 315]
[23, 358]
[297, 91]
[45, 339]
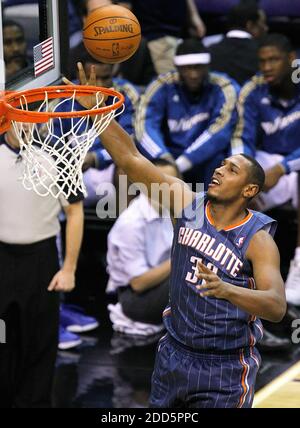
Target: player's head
[247, 16]
[239, 177]
[192, 60]
[104, 72]
[276, 56]
[14, 45]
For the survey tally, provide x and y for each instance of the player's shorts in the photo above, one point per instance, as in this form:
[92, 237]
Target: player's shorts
[187, 379]
[286, 190]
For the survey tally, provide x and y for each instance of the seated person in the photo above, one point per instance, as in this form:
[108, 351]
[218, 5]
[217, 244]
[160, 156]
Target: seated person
[139, 249]
[188, 116]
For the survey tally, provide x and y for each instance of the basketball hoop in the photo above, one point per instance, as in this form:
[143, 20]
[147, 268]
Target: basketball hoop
[54, 142]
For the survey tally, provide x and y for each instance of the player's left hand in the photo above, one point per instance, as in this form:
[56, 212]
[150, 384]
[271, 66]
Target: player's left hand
[214, 286]
[63, 281]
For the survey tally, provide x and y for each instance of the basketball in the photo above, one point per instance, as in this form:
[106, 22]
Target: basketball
[112, 34]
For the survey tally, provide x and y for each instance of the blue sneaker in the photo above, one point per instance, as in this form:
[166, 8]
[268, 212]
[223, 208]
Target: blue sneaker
[75, 321]
[67, 340]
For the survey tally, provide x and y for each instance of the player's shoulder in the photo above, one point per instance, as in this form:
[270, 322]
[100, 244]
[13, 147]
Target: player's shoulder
[261, 217]
[261, 245]
[255, 86]
[263, 224]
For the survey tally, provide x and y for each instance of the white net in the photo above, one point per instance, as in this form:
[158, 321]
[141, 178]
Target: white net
[54, 152]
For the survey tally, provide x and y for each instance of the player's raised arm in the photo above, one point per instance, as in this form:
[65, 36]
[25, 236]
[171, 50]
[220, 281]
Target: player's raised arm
[139, 169]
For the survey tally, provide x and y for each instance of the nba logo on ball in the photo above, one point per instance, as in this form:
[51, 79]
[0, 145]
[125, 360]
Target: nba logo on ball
[112, 34]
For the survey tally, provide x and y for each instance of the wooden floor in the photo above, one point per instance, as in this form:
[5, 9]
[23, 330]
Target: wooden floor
[283, 392]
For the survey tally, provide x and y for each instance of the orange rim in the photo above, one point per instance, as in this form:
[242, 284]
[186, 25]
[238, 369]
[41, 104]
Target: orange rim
[11, 100]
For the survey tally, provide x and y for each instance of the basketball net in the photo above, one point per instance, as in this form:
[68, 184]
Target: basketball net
[53, 152]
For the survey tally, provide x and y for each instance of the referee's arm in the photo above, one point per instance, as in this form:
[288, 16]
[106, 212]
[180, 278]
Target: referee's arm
[64, 280]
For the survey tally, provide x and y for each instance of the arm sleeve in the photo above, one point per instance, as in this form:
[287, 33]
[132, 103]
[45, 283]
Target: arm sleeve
[150, 116]
[245, 136]
[218, 134]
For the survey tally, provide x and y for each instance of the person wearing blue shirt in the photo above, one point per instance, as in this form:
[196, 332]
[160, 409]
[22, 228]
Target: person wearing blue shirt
[269, 127]
[188, 115]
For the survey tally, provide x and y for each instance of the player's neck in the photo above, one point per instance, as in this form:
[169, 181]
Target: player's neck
[224, 216]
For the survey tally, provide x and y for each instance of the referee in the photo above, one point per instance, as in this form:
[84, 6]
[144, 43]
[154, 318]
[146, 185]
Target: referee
[30, 279]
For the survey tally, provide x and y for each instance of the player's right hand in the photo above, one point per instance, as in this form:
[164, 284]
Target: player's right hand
[87, 101]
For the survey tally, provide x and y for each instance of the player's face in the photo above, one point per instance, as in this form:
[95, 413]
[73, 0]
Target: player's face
[14, 45]
[104, 73]
[275, 65]
[229, 180]
[192, 76]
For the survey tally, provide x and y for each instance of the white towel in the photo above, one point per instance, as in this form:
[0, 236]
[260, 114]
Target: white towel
[122, 324]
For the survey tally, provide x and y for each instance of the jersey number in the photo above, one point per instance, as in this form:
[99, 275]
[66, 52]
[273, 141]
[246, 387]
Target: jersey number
[191, 276]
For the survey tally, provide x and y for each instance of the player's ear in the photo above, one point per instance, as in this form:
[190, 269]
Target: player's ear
[250, 191]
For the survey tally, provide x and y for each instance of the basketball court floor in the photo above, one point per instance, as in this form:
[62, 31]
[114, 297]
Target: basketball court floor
[109, 370]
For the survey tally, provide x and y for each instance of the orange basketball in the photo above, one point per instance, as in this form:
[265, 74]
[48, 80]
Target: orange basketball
[112, 34]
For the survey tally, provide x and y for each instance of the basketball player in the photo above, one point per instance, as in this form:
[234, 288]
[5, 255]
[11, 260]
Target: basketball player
[208, 357]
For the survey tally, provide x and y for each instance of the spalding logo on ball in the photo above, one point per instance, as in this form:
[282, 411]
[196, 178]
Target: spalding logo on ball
[112, 34]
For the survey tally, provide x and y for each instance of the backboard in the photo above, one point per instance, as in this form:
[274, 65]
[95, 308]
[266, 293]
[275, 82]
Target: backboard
[35, 36]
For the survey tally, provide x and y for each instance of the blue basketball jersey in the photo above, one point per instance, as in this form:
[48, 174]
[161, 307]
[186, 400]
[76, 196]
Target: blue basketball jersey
[206, 323]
